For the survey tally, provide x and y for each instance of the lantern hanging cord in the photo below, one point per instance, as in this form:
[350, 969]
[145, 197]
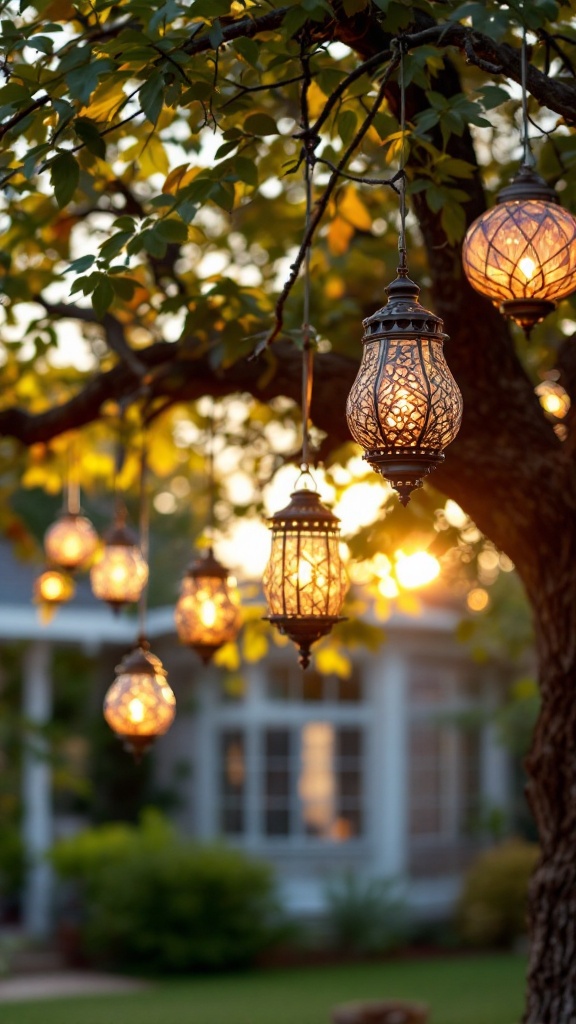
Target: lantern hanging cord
[72, 495]
[528, 158]
[210, 474]
[403, 267]
[144, 530]
[307, 349]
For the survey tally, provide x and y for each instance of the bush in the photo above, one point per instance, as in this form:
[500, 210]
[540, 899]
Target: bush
[492, 907]
[364, 916]
[153, 901]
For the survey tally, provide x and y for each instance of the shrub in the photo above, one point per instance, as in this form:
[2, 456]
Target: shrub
[153, 901]
[364, 915]
[492, 907]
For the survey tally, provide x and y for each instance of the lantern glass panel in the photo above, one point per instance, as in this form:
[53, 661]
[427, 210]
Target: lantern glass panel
[522, 250]
[208, 611]
[305, 575]
[404, 396]
[120, 575]
[140, 704]
[70, 541]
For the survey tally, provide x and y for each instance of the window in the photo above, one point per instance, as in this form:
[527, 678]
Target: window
[232, 782]
[289, 683]
[309, 783]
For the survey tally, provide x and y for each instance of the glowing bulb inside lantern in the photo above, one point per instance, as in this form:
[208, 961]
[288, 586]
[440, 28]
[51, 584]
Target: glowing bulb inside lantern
[208, 613]
[136, 710]
[528, 267]
[53, 588]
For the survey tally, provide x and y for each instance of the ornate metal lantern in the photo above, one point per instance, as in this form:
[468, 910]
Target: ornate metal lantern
[121, 574]
[305, 581]
[522, 253]
[53, 587]
[71, 541]
[207, 614]
[404, 407]
[140, 705]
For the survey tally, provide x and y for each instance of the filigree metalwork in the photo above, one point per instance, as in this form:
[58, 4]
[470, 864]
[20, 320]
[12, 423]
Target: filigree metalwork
[207, 614]
[305, 581]
[140, 705]
[522, 253]
[121, 574]
[404, 407]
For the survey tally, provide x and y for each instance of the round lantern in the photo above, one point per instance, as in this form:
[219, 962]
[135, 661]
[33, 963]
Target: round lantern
[71, 541]
[207, 614]
[121, 574]
[305, 581]
[140, 704]
[404, 407]
[522, 253]
[53, 587]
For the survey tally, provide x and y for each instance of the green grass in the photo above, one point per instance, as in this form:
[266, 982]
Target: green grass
[466, 990]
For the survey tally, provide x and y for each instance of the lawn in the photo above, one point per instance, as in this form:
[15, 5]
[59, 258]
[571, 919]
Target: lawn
[459, 990]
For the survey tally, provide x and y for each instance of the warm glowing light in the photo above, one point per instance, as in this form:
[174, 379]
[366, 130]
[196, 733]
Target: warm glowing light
[553, 398]
[478, 599]
[528, 267]
[207, 614]
[455, 516]
[53, 587]
[71, 541]
[140, 705]
[416, 570]
[120, 575]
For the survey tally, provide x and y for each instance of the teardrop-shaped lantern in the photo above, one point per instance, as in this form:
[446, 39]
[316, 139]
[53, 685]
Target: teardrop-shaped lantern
[305, 581]
[140, 705]
[71, 541]
[404, 407]
[521, 254]
[53, 587]
[120, 575]
[207, 614]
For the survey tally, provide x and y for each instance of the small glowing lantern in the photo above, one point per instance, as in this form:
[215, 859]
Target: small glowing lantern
[121, 574]
[521, 254]
[305, 581]
[207, 614]
[53, 587]
[71, 541]
[404, 407]
[140, 705]
[554, 399]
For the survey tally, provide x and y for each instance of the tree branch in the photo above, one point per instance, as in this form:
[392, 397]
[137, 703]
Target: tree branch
[113, 331]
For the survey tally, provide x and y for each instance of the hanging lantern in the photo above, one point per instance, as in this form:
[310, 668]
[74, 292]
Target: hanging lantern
[405, 406]
[71, 541]
[140, 705]
[554, 399]
[207, 614]
[305, 581]
[121, 574]
[522, 252]
[53, 587]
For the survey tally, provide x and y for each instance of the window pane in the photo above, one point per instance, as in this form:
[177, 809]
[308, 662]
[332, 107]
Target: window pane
[277, 743]
[232, 781]
[350, 690]
[349, 742]
[277, 782]
[313, 686]
[279, 683]
[277, 822]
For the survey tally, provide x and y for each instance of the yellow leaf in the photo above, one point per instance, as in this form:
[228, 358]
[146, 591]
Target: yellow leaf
[105, 100]
[353, 210]
[330, 660]
[339, 234]
[334, 288]
[150, 156]
[228, 657]
[316, 99]
[254, 643]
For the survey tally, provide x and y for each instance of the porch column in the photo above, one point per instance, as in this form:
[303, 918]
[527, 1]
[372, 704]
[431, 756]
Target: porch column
[37, 824]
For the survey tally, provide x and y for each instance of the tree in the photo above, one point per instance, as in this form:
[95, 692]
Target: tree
[105, 115]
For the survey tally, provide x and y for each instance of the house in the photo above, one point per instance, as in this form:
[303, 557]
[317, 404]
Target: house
[390, 772]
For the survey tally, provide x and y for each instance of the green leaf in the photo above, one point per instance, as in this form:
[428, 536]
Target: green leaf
[171, 230]
[64, 175]
[246, 170]
[347, 123]
[352, 7]
[87, 130]
[102, 296]
[42, 43]
[151, 96]
[115, 245]
[216, 35]
[81, 264]
[260, 124]
[124, 287]
[249, 50]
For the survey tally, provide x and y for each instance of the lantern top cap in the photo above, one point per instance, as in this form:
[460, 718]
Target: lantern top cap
[120, 535]
[403, 316]
[305, 507]
[141, 661]
[525, 185]
[206, 564]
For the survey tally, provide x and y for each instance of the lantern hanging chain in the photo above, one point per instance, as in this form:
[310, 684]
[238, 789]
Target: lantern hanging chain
[119, 459]
[403, 267]
[528, 159]
[144, 531]
[310, 141]
[72, 490]
[211, 478]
